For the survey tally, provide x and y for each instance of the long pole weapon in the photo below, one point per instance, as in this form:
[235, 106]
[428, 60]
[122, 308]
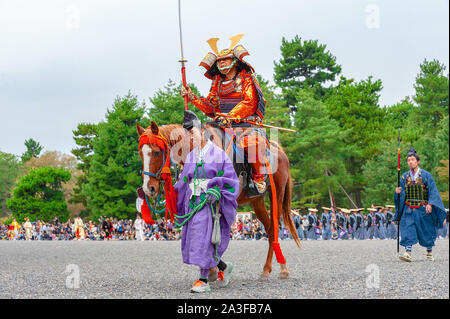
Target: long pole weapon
[398, 195]
[259, 123]
[183, 67]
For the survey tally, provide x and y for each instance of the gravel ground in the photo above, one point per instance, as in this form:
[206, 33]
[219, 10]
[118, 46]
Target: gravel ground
[150, 269]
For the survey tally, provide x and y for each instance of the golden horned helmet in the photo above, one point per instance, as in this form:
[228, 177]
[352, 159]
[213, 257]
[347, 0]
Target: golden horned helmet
[234, 50]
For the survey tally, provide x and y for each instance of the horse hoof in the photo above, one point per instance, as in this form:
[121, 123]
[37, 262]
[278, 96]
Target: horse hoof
[264, 277]
[283, 275]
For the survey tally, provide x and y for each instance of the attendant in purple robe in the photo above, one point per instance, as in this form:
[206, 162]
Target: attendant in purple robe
[207, 188]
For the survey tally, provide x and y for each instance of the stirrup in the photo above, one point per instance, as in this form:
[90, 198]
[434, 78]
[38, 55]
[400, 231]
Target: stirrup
[253, 190]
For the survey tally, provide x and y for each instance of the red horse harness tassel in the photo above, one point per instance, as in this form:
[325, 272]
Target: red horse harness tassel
[163, 174]
[275, 244]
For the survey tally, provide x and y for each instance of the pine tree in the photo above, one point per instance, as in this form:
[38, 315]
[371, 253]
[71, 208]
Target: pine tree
[168, 105]
[355, 107]
[84, 137]
[432, 93]
[304, 64]
[39, 195]
[115, 166]
[316, 152]
[33, 150]
[10, 169]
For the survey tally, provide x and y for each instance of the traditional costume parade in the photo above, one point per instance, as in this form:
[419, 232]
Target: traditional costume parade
[207, 189]
[139, 226]
[391, 229]
[235, 100]
[298, 224]
[79, 228]
[419, 208]
[371, 223]
[379, 232]
[359, 225]
[312, 224]
[28, 229]
[326, 223]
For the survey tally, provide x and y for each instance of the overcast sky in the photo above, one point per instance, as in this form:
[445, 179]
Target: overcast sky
[63, 62]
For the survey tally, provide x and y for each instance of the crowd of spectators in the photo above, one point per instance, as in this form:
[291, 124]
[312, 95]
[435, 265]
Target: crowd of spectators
[115, 229]
[104, 229]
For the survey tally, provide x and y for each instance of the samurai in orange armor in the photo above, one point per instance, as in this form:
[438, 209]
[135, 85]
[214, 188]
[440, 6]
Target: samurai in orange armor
[235, 94]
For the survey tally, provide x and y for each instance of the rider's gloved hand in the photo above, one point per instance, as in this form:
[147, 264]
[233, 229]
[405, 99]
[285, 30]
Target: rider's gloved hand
[223, 121]
[187, 91]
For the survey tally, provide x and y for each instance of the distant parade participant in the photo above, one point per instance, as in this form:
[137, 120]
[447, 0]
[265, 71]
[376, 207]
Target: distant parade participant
[359, 225]
[139, 226]
[341, 222]
[107, 228]
[391, 229]
[298, 224]
[371, 223]
[326, 223]
[312, 224]
[79, 228]
[443, 231]
[379, 229]
[207, 189]
[419, 208]
[352, 222]
[28, 229]
[14, 229]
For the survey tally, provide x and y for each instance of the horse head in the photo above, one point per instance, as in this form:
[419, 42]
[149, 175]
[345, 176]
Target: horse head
[154, 152]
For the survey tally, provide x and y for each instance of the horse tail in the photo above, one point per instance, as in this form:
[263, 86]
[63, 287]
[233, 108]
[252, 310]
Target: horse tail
[287, 218]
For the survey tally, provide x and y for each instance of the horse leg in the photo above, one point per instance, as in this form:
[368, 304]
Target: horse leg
[263, 215]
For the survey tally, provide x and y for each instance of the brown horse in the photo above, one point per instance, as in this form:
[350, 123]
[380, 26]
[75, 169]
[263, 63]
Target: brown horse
[181, 142]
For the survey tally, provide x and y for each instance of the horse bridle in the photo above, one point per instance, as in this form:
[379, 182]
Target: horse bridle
[157, 175]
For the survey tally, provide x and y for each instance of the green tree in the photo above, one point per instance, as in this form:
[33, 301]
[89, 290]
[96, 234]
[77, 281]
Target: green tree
[33, 150]
[432, 93]
[304, 64]
[316, 152]
[114, 171]
[354, 105]
[380, 174]
[84, 137]
[168, 105]
[10, 168]
[39, 195]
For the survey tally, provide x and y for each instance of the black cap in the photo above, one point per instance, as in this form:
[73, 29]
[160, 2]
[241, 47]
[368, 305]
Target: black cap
[190, 120]
[412, 152]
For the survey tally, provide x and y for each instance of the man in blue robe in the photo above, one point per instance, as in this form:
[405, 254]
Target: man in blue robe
[379, 223]
[419, 207]
[326, 225]
[352, 222]
[341, 222]
[391, 230]
[298, 224]
[359, 225]
[371, 223]
[313, 223]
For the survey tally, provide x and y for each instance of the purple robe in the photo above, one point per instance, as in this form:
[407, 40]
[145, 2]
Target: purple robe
[196, 246]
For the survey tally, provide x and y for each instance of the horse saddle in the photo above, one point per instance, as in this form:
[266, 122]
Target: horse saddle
[237, 155]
